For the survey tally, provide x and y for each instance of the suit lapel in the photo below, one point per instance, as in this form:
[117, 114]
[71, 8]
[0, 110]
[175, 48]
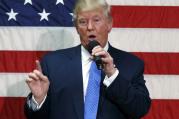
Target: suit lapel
[76, 68]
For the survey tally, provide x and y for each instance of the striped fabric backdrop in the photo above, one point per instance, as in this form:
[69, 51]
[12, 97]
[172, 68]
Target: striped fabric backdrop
[147, 28]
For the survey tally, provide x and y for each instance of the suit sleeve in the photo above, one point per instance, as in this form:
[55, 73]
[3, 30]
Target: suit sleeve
[42, 113]
[130, 95]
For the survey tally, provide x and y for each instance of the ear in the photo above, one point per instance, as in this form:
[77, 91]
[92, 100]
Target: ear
[76, 26]
[77, 30]
[110, 24]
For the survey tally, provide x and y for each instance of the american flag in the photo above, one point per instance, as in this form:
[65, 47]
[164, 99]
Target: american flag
[147, 28]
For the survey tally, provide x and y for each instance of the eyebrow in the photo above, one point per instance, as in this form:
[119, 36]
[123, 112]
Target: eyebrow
[96, 16]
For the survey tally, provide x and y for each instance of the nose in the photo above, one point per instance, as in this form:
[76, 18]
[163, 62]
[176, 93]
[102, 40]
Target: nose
[90, 25]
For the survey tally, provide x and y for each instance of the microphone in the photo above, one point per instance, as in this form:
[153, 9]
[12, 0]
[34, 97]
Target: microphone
[97, 59]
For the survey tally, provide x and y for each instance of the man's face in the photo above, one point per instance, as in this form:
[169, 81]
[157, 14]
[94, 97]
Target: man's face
[93, 24]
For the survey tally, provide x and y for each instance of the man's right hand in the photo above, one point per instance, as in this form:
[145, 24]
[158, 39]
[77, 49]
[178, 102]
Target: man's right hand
[38, 83]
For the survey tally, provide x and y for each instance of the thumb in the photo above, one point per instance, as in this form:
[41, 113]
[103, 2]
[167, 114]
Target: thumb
[38, 66]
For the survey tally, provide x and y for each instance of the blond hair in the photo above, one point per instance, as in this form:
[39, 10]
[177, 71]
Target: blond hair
[86, 5]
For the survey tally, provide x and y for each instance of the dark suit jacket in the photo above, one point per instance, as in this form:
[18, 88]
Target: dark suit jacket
[126, 98]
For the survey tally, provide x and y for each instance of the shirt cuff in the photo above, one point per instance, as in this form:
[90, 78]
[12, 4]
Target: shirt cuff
[32, 103]
[108, 80]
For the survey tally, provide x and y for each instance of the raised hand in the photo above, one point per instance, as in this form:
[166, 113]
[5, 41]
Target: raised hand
[38, 83]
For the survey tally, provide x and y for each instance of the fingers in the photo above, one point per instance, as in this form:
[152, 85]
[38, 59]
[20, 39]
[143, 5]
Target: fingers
[107, 60]
[38, 71]
[33, 76]
[28, 80]
[36, 75]
[108, 65]
[38, 66]
[96, 49]
[99, 51]
[105, 56]
[40, 75]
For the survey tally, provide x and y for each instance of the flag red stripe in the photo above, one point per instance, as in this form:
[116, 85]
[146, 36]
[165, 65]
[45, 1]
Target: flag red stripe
[163, 109]
[160, 63]
[146, 16]
[13, 108]
[24, 61]
[19, 61]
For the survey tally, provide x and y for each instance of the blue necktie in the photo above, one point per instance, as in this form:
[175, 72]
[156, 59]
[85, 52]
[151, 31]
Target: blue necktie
[92, 93]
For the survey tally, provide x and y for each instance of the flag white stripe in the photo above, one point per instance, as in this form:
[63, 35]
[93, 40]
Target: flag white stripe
[145, 39]
[163, 86]
[160, 86]
[52, 38]
[13, 85]
[145, 2]
[37, 38]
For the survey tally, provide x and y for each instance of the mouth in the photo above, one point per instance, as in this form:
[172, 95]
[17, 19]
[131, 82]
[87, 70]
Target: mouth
[92, 37]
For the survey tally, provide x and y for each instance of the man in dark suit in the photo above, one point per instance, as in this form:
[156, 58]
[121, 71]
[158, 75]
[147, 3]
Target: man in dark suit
[60, 84]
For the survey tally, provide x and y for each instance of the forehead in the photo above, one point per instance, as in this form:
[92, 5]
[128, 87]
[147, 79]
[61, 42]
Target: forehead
[98, 12]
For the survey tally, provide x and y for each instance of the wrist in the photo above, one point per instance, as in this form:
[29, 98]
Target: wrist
[111, 72]
[39, 99]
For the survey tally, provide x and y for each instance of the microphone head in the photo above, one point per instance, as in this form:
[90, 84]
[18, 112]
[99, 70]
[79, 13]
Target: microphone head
[97, 59]
[91, 45]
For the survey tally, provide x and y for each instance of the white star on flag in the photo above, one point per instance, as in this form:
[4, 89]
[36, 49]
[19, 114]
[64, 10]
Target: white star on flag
[12, 14]
[59, 1]
[28, 1]
[44, 15]
[72, 16]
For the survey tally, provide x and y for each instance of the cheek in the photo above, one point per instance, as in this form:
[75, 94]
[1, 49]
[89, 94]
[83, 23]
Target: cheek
[83, 35]
[81, 32]
[104, 28]
[103, 32]
[103, 35]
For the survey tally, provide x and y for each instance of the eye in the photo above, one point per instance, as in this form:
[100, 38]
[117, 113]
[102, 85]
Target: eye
[82, 22]
[97, 20]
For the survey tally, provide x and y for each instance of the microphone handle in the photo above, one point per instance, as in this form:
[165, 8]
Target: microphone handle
[98, 61]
